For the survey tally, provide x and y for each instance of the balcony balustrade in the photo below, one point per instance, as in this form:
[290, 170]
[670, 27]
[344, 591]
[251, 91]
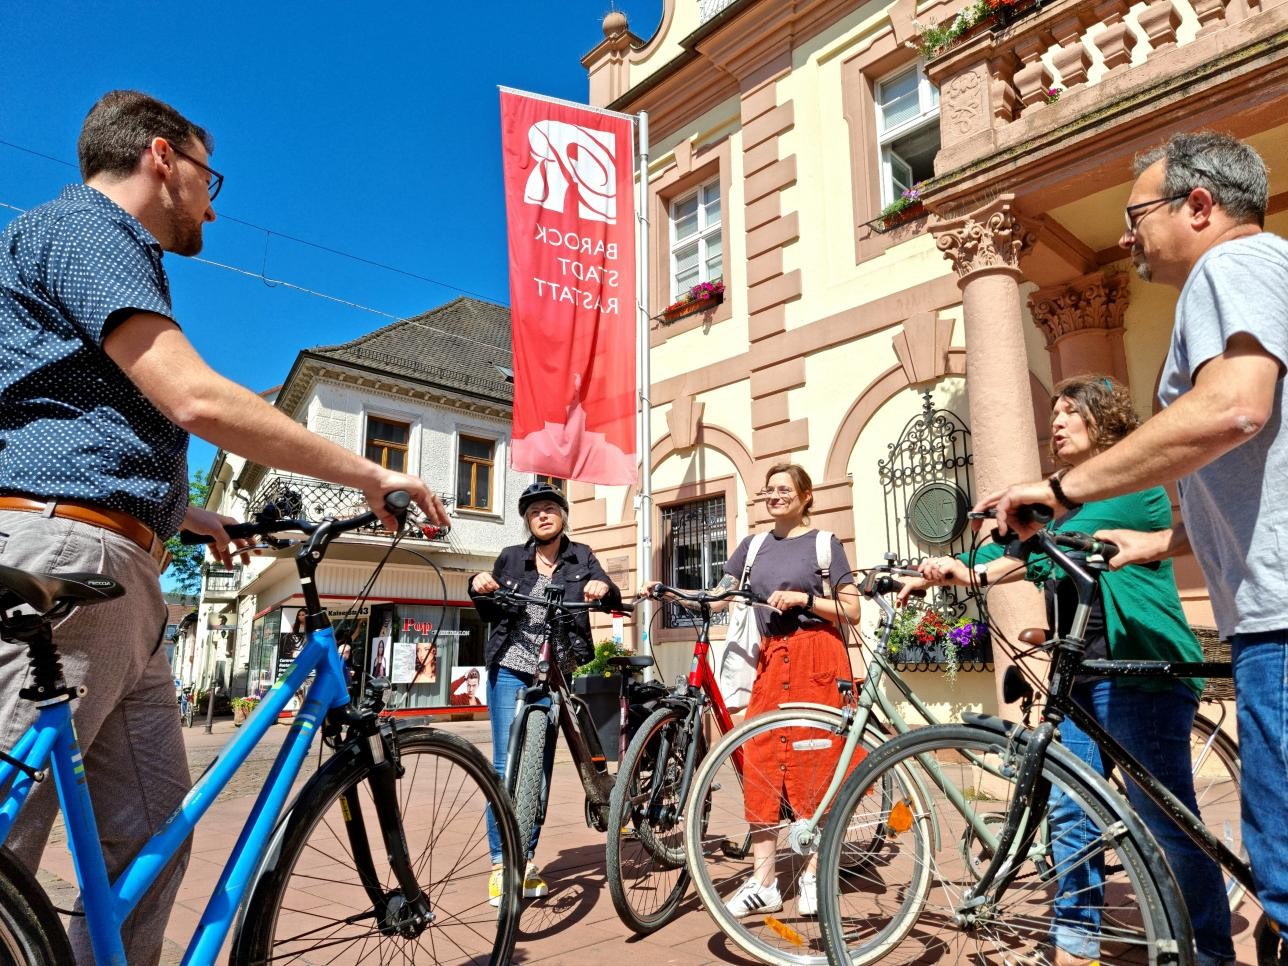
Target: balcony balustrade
[1047, 64]
[301, 498]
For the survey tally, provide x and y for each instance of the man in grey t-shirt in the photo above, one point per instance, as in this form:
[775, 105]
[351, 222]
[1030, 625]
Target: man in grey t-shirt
[1195, 220]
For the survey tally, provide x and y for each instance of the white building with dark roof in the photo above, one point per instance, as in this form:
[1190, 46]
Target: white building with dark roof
[428, 396]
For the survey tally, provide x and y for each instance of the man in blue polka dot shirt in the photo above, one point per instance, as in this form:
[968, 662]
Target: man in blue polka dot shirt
[99, 390]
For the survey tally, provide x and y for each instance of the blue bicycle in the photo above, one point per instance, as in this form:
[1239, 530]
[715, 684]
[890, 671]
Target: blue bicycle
[381, 857]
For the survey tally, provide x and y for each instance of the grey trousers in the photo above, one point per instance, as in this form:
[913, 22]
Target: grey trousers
[127, 724]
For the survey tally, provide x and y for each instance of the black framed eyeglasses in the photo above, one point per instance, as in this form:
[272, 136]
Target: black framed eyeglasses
[216, 179]
[1129, 213]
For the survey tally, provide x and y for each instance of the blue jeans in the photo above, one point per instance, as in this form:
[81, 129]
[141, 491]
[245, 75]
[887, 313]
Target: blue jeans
[1155, 727]
[1261, 690]
[503, 689]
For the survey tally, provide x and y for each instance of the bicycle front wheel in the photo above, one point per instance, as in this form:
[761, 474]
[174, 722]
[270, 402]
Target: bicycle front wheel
[30, 932]
[309, 904]
[644, 860]
[528, 774]
[756, 791]
[1093, 890]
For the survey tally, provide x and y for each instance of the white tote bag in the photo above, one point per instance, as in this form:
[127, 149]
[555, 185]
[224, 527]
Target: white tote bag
[742, 642]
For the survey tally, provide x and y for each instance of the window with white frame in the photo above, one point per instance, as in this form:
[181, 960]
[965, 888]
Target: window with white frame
[697, 248]
[907, 130]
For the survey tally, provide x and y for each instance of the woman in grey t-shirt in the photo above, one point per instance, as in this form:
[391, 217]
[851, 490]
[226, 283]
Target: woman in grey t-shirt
[802, 654]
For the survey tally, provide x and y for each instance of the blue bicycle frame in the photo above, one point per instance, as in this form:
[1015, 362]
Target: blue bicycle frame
[52, 740]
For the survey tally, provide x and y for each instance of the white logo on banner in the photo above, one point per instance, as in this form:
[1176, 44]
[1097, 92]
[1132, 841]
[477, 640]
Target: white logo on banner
[569, 155]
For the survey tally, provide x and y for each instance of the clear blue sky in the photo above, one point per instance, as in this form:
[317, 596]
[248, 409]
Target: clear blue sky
[372, 129]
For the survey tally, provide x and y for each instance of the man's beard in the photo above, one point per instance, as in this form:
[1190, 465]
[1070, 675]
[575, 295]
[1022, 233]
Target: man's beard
[1141, 264]
[185, 238]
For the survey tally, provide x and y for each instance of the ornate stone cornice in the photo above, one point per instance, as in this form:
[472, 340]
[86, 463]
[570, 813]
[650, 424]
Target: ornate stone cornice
[1096, 301]
[989, 239]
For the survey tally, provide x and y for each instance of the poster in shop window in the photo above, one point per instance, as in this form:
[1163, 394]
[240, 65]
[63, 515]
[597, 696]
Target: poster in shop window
[468, 688]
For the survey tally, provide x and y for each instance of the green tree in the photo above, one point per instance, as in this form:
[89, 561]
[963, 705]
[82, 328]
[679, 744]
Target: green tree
[184, 573]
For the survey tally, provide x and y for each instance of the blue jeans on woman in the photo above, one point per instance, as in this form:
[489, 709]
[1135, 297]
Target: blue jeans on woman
[503, 689]
[1155, 727]
[1261, 690]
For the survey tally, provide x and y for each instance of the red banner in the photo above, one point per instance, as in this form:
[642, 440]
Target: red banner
[569, 198]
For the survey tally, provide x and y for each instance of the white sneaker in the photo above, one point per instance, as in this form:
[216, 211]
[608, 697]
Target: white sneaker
[807, 895]
[752, 898]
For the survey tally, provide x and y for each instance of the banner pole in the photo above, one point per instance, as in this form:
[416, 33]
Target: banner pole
[644, 515]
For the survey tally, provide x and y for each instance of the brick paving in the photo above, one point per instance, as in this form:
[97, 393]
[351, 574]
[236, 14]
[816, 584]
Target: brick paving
[575, 924]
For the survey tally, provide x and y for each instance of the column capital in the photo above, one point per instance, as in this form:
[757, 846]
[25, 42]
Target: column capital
[990, 239]
[1096, 301]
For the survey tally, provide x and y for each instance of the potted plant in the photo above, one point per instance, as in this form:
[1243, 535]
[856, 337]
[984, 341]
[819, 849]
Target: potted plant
[700, 298]
[242, 707]
[598, 684]
[931, 40]
[907, 207]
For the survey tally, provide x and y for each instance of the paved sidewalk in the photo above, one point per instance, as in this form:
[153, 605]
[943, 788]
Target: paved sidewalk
[575, 924]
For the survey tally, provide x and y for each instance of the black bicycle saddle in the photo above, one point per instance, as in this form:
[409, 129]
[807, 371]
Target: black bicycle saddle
[43, 592]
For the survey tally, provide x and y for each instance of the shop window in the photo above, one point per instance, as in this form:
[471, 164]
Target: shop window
[695, 545]
[387, 443]
[907, 130]
[474, 464]
[697, 246]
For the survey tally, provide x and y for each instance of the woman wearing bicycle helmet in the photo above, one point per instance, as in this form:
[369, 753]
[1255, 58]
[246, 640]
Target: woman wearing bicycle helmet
[1138, 616]
[548, 558]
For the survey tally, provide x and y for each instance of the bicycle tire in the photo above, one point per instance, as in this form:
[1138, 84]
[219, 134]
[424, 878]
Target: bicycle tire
[31, 933]
[717, 849]
[644, 858]
[1218, 777]
[528, 775]
[1135, 922]
[308, 897]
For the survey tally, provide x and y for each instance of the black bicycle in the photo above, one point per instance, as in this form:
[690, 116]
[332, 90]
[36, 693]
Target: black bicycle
[997, 903]
[550, 704]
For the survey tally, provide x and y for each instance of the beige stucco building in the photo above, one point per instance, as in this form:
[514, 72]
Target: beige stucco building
[780, 129]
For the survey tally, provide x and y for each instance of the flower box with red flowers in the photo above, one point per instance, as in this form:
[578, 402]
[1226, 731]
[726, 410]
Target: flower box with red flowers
[703, 297]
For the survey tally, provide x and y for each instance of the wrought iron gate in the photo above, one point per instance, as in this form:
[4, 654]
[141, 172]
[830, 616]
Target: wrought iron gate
[925, 480]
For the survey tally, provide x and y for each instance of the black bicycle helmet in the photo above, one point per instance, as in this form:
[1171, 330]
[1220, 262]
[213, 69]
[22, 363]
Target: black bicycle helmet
[541, 491]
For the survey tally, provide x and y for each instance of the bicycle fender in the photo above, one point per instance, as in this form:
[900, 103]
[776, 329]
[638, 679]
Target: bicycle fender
[1133, 825]
[811, 705]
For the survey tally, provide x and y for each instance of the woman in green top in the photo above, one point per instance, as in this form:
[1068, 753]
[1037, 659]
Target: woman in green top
[1138, 616]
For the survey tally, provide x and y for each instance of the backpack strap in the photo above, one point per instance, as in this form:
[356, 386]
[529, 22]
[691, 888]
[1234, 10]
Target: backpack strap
[757, 542]
[823, 551]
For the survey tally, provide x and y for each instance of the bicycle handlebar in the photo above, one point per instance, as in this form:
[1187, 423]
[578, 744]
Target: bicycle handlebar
[396, 503]
[503, 595]
[1070, 539]
[658, 591]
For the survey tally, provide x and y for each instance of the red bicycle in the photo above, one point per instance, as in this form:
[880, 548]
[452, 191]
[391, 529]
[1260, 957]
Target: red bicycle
[646, 871]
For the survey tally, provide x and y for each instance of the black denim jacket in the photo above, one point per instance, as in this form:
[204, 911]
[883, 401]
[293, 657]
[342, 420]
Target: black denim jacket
[516, 568]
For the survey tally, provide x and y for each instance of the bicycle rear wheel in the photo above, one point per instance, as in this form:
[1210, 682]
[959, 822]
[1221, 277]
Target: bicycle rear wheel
[30, 931]
[644, 859]
[736, 779]
[1127, 917]
[309, 905]
[1217, 778]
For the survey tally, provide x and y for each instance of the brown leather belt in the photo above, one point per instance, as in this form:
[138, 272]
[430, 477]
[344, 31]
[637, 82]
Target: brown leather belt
[117, 522]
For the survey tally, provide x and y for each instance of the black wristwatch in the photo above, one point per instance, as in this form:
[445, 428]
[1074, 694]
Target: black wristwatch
[1057, 491]
[809, 602]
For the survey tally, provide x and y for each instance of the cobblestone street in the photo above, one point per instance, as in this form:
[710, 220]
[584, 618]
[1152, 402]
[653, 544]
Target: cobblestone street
[576, 923]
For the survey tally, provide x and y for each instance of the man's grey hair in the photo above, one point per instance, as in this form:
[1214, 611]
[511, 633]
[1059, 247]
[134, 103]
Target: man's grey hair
[1231, 171]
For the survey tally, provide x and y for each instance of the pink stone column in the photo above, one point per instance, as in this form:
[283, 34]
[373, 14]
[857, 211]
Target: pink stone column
[1083, 324]
[985, 248]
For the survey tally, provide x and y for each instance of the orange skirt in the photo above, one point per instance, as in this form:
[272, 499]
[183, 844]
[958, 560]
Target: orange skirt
[787, 770]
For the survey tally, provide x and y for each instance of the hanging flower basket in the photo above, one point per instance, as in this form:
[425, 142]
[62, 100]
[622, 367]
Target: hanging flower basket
[703, 297]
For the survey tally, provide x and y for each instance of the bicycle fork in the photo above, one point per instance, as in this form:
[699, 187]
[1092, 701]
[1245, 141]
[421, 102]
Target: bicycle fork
[1024, 815]
[406, 910]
